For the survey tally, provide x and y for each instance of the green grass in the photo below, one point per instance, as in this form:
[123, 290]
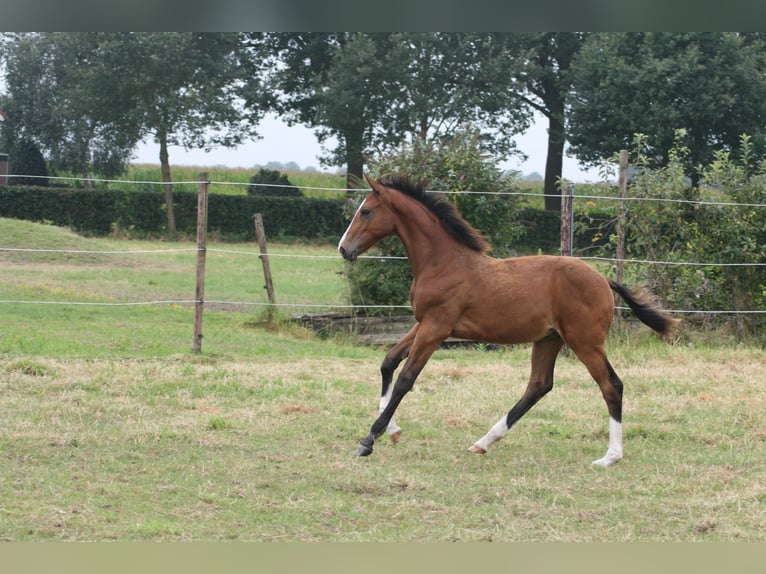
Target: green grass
[148, 272]
[111, 429]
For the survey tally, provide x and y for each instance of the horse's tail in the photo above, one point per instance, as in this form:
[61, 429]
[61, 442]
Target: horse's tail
[646, 309]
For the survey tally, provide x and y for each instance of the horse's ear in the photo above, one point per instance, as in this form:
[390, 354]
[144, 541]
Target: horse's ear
[376, 187]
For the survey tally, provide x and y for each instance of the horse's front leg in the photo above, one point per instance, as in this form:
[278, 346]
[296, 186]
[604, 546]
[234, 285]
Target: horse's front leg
[423, 343]
[390, 363]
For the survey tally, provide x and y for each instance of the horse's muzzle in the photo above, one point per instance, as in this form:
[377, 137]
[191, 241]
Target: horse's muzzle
[348, 255]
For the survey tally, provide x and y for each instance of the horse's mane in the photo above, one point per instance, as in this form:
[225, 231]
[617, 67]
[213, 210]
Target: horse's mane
[444, 211]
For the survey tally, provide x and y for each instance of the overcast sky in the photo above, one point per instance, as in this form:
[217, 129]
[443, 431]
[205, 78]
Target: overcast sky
[284, 144]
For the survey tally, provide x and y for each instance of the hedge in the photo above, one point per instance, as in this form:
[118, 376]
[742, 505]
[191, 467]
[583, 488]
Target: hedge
[142, 214]
[100, 212]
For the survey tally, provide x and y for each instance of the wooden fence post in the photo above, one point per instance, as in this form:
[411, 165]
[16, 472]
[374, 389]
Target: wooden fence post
[264, 257]
[567, 219]
[201, 252]
[620, 250]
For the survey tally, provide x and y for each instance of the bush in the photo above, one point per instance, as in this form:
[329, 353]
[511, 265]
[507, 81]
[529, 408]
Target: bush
[272, 183]
[26, 159]
[383, 282]
[704, 233]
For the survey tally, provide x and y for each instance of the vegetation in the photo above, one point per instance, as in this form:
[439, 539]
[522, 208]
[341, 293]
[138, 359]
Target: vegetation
[234, 181]
[414, 86]
[66, 98]
[540, 64]
[140, 213]
[29, 162]
[709, 84]
[87, 99]
[76, 96]
[270, 182]
[667, 228]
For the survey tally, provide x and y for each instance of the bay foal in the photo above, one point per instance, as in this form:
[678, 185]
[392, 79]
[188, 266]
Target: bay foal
[460, 291]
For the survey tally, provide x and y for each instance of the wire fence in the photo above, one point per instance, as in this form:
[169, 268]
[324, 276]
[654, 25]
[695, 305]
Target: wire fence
[356, 308]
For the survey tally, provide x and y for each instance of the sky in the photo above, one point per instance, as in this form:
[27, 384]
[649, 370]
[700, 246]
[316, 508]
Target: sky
[282, 143]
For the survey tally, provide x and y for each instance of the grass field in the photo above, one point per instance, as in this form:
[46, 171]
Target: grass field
[111, 429]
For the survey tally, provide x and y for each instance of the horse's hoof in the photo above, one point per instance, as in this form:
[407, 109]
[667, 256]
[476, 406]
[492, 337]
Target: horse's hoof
[477, 449]
[363, 450]
[396, 436]
[606, 461]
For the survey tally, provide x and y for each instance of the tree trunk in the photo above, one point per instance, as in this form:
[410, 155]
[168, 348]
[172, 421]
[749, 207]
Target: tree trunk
[554, 162]
[354, 158]
[165, 169]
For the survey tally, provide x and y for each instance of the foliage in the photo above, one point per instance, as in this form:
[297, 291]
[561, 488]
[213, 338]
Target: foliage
[67, 97]
[736, 234]
[184, 87]
[710, 84]
[457, 166]
[87, 99]
[231, 181]
[25, 158]
[373, 91]
[673, 225]
[381, 286]
[270, 182]
[540, 65]
[141, 214]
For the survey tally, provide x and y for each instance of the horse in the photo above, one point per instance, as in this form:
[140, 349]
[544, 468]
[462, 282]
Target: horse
[459, 290]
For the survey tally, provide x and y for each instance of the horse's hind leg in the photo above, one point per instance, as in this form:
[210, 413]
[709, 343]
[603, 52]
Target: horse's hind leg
[391, 361]
[544, 353]
[611, 388]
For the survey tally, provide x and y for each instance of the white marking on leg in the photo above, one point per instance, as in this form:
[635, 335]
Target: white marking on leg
[614, 453]
[497, 432]
[392, 428]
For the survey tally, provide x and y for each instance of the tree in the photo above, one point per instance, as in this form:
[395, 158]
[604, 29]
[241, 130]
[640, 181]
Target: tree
[187, 89]
[446, 84]
[711, 85]
[87, 99]
[540, 65]
[375, 91]
[324, 81]
[27, 160]
[65, 98]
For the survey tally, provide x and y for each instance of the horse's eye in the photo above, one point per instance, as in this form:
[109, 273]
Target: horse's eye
[365, 211]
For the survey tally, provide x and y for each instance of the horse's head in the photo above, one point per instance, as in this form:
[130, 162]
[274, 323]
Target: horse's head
[373, 221]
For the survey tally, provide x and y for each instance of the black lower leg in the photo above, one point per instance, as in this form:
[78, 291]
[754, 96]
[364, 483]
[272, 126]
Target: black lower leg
[521, 408]
[536, 390]
[402, 387]
[615, 404]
